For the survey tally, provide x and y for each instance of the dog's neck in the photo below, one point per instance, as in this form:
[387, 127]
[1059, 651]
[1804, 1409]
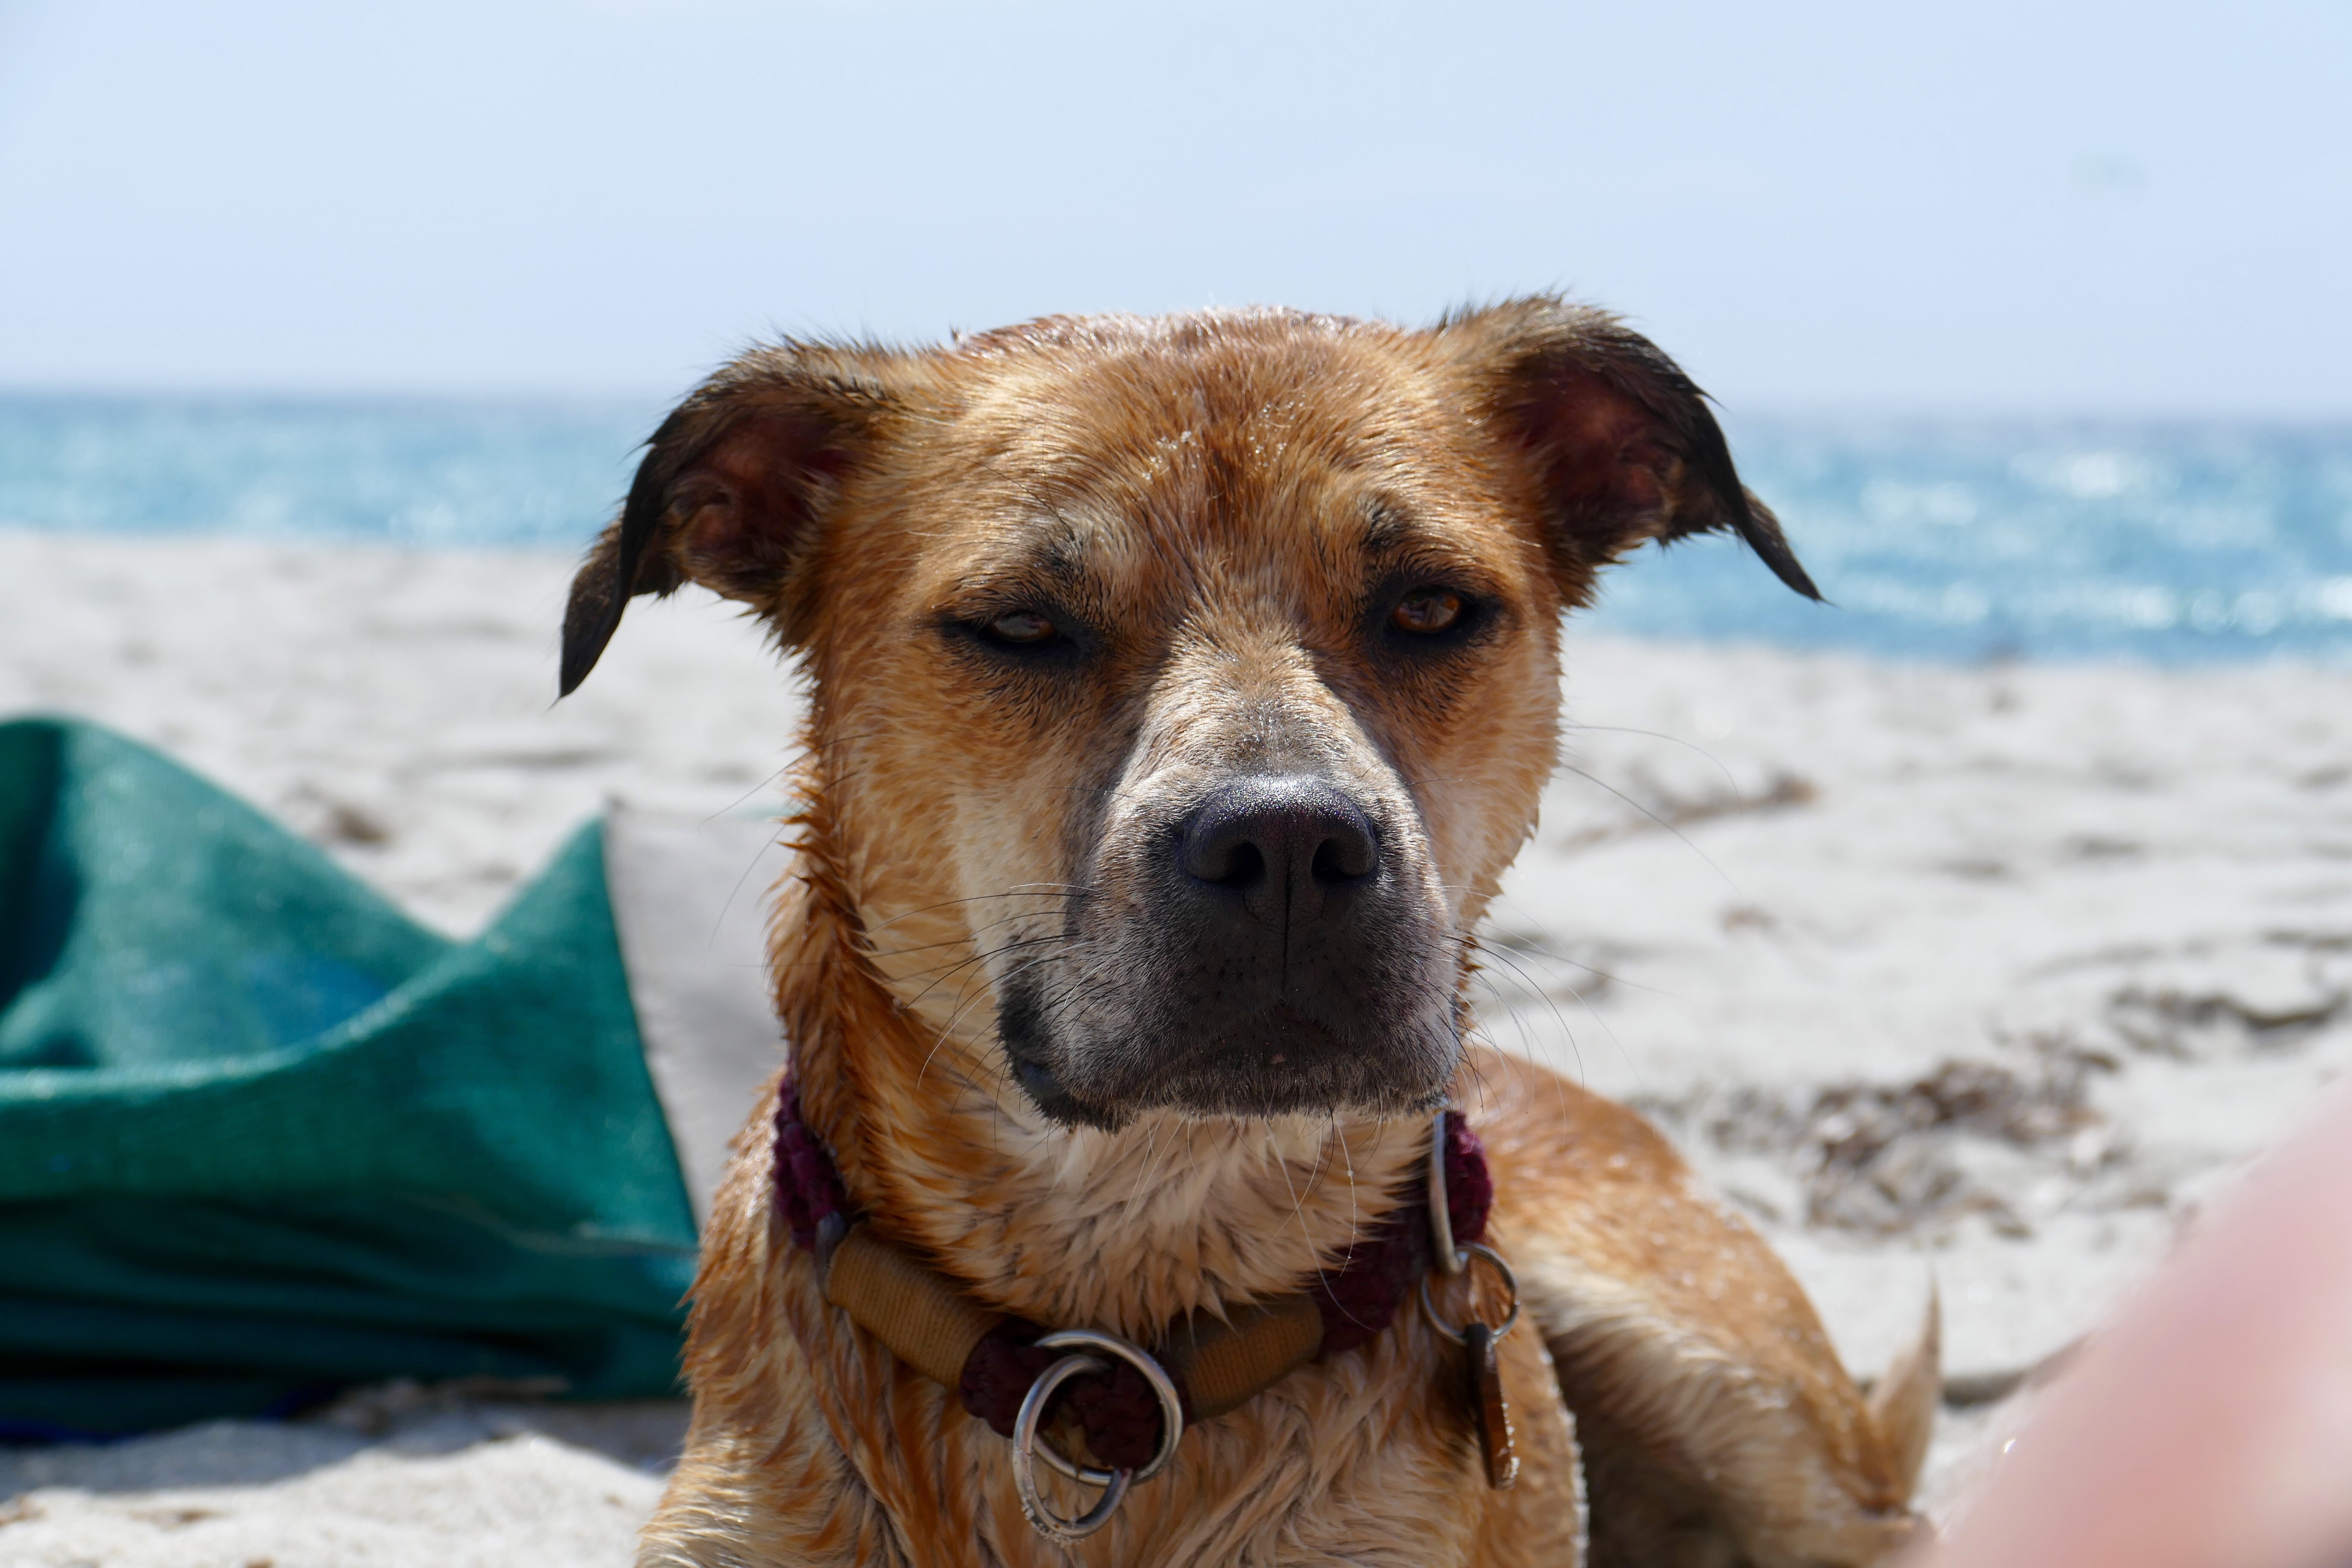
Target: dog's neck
[1069, 1228]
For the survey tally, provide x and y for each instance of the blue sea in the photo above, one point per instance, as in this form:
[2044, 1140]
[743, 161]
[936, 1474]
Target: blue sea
[2174, 543]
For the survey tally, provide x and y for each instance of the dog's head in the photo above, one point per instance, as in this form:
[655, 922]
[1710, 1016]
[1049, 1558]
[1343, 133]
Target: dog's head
[1181, 687]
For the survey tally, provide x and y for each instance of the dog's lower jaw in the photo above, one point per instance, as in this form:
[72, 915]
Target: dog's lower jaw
[1245, 1084]
[1019, 1025]
[1055, 1104]
[1278, 1062]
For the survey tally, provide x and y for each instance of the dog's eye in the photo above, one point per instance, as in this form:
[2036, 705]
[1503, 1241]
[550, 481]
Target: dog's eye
[1425, 611]
[1022, 628]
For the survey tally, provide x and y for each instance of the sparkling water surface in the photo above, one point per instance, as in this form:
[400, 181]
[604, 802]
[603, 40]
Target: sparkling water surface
[2167, 541]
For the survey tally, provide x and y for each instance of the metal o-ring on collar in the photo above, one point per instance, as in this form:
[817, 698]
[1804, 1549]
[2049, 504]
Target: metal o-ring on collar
[1027, 1447]
[1461, 1258]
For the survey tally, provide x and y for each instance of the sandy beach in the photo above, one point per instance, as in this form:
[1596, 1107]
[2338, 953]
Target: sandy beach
[1980, 978]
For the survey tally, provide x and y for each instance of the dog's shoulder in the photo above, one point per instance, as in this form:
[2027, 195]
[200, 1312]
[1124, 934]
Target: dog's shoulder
[1707, 1395]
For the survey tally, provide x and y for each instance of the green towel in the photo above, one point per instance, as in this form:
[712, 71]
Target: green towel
[263, 1137]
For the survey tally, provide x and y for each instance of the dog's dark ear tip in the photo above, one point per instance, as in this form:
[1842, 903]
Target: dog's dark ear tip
[588, 627]
[1786, 568]
[574, 669]
[578, 659]
[1755, 525]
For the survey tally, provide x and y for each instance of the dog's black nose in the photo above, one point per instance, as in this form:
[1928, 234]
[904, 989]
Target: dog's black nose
[1289, 846]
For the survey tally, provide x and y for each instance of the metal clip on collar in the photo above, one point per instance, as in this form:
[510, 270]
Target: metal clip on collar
[1452, 1259]
[1028, 1448]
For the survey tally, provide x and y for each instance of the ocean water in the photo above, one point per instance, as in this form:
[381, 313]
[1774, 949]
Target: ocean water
[2170, 543]
[428, 473]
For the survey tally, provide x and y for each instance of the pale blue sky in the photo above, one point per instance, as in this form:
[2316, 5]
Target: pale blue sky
[1989, 206]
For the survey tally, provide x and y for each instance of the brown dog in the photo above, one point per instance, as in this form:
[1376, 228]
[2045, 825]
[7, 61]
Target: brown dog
[1180, 689]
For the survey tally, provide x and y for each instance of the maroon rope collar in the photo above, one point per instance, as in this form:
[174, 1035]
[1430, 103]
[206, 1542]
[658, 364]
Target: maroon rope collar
[1118, 1410]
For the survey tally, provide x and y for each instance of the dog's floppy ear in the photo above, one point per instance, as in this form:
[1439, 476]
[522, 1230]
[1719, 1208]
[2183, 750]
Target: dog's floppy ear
[734, 487]
[1623, 446]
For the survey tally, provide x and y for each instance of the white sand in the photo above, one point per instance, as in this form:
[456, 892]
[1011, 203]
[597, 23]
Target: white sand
[395, 1476]
[398, 707]
[2120, 900]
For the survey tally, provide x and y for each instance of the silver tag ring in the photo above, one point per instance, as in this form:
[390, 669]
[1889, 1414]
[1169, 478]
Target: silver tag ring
[1461, 1258]
[1027, 1447]
[1056, 1460]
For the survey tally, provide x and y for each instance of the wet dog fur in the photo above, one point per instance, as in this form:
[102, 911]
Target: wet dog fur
[1179, 690]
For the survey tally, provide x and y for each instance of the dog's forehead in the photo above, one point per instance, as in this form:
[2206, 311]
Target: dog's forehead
[1294, 461]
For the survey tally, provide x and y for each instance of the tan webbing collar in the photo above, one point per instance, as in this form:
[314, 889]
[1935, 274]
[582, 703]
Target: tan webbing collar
[990, 1360]
[935, 1328]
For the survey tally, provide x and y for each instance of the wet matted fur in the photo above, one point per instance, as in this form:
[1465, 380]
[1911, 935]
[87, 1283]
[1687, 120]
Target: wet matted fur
[1179, 690]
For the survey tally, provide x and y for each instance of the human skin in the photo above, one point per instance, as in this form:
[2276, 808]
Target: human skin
[2210, 1424]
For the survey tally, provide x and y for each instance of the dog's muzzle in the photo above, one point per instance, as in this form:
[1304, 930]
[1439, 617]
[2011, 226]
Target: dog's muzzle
[1270, 948]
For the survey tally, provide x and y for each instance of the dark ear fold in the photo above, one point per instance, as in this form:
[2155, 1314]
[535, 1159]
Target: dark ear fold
[734, 487]
[1622, 445]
